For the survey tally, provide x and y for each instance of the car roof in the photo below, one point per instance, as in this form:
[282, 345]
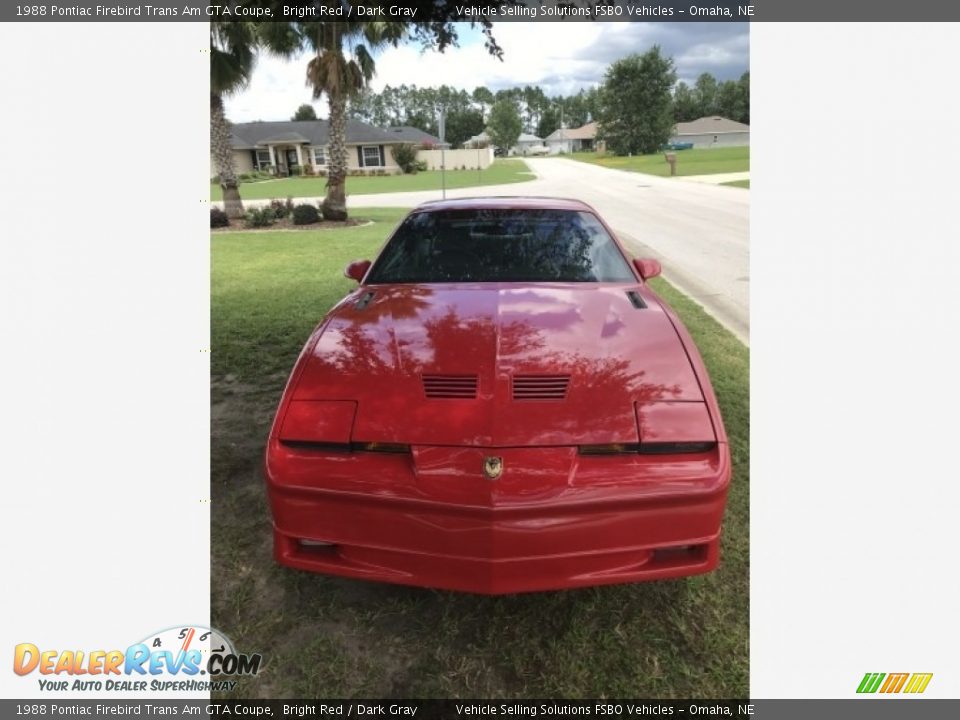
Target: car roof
[505, 202]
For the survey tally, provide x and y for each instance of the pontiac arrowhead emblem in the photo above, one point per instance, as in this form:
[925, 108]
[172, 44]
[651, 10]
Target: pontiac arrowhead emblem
[492, 467]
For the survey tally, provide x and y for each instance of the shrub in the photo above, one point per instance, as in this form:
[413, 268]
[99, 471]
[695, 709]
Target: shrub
[307, 169]
[406, 156]
[421, 166]
[218, 218]
[305, 214]
[215, 179]
[281, 208]
[260, 217]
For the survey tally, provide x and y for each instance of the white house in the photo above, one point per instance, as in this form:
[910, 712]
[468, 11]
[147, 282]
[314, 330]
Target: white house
[567, 140]
[523, 146]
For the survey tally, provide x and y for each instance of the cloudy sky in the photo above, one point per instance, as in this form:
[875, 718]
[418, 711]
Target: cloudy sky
[561, 57]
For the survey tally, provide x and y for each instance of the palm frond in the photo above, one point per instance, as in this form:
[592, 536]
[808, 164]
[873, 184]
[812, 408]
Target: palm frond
[233, 46]
[284, 39]
[365, 62]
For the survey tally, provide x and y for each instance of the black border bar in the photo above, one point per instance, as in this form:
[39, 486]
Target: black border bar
[475, 10]
[873, 707]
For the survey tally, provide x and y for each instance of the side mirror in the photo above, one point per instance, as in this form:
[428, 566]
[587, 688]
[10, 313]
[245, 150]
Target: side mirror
[357, 269]
[647, 267]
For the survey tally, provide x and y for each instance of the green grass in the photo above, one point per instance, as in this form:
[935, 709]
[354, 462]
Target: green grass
[323, 636]
[738, 183]
[689, 162]
[501, 172]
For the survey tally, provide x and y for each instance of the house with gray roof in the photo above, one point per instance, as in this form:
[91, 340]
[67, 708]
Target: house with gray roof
[410, 134]
[291, 147]
[567, 140]
[711, 131]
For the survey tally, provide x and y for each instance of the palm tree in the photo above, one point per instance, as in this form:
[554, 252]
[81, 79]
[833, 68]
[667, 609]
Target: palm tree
[340, 67]
[233, 54]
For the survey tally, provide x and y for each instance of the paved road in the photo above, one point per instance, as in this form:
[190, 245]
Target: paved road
[717, 179]
[699, 232]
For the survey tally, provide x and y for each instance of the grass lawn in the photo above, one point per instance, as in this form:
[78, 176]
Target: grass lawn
[501, 172]
[738, 183]
[323, 636]
[689, 162]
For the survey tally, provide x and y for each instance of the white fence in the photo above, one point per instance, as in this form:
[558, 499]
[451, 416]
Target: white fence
[479, 158]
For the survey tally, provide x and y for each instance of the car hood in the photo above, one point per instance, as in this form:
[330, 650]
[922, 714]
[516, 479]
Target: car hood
[384, 345]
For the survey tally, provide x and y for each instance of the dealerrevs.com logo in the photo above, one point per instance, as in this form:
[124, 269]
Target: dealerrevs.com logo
[910, 683]
[185, 658]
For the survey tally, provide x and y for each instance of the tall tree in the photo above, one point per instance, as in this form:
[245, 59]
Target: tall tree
[728, 100]
[636, 106]
[505, 125]
[340, 66]
[305, 112]
[591, 102]
[535, 102]
[484, 98]
[576, 110]
[410, 105]
[462, 125]
[684, 103]
[744, 84]
[550, 119]
[233, 46]
[705, 91]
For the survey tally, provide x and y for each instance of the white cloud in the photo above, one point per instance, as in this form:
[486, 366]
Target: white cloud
[561, 57]
[533, 54]
[277, 88]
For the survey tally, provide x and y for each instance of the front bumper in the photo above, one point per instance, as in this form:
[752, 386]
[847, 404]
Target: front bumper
[553, 520]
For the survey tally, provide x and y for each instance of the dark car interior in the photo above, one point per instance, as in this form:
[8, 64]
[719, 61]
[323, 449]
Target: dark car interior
[495, 245]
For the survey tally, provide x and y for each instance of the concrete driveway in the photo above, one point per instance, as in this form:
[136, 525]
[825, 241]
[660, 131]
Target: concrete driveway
[699, 232]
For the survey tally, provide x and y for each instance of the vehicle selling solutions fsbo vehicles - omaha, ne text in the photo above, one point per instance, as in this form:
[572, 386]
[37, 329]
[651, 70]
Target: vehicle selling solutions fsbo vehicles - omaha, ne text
[502, 405]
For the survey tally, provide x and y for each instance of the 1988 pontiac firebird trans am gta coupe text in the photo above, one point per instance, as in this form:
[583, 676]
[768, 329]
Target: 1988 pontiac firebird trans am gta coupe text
[502, 405]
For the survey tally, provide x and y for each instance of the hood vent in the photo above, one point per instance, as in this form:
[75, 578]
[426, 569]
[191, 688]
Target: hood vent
[540, 387]
[635, 298]
[450, 387]
[365, 299]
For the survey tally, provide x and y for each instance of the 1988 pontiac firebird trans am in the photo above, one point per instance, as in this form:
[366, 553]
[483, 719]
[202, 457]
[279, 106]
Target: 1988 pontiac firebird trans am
[503, 405]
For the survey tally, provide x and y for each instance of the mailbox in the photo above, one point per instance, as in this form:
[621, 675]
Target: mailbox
[671, 159]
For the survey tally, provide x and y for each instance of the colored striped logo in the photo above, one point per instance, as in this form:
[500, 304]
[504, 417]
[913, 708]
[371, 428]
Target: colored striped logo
[894, 682]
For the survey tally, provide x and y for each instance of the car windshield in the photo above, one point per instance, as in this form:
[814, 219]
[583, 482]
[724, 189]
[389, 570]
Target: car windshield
[499, 245]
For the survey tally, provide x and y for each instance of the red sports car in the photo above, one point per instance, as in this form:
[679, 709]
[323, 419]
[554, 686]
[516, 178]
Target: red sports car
[502, 405]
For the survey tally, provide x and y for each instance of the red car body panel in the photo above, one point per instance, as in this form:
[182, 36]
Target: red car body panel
[554, 517]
